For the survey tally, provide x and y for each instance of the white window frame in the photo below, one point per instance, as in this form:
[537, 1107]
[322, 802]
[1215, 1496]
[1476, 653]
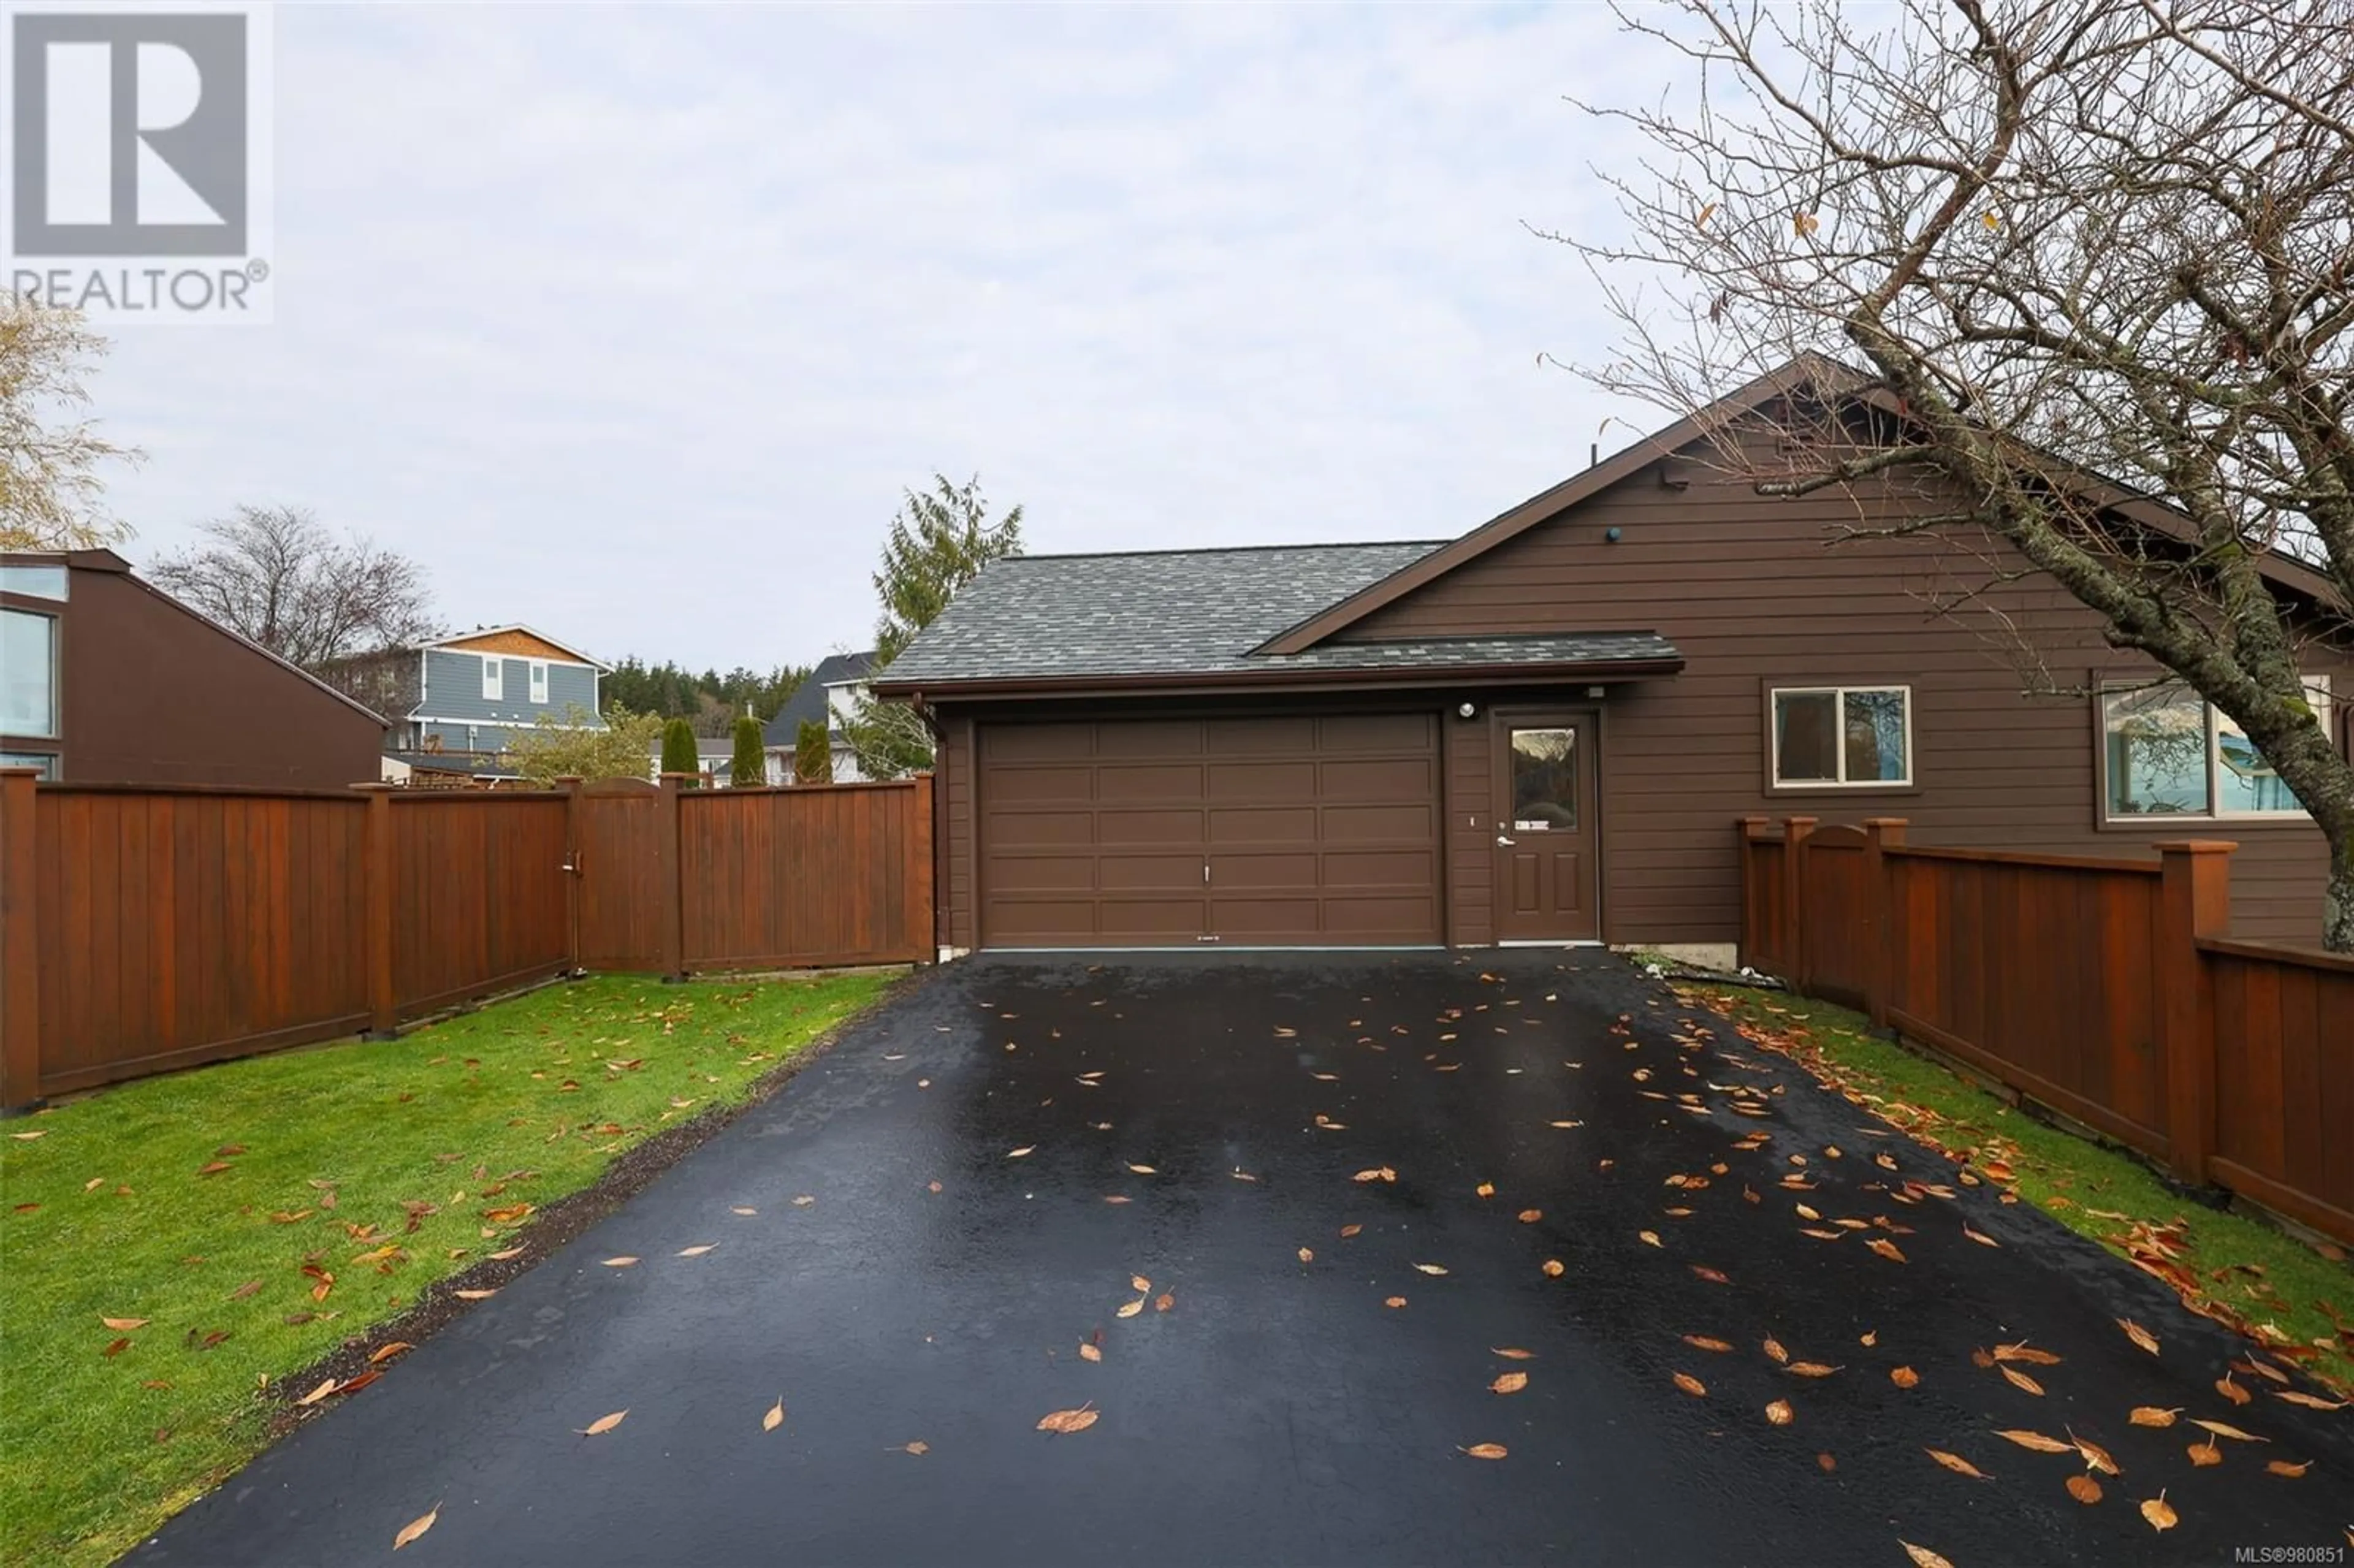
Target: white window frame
[495, 677]
[57, 680]
[539, 669]
[2318, 692]
[1839, 751]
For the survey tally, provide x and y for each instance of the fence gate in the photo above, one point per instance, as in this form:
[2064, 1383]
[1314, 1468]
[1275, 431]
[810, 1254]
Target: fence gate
[624, 847]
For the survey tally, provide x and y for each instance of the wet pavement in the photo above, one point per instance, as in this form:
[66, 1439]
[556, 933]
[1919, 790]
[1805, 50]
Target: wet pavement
[1277, 1411]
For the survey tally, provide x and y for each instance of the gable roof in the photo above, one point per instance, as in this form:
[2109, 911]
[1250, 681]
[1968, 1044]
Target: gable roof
[1167, 616]
[808, 700]
[1808, 371]
[455, 638]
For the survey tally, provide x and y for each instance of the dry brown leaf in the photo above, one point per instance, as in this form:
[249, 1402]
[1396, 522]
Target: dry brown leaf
[1826, 1463]
[2287, 1468]
[1143, 1170]
[1705, 1342]
[2159, 1512]
[918, 1448]
[1922, 1556]
[2084, 1490]
[2205, 1454]
[2020, 1380]
[1484, 1189]
[1780, 1414]
[1554, 1268]
[1512, 1353]
[696, 1251]
[1117, 1198]
[1305, 1256]
[1531, 1216]
[385, 1353]
[1394, 1301]
[1430, 1268]
[2151, 1415]
[2224, 1429]
[1130, 1308]
[1509, 1383]
[2138, 1335]
[318, 1393]
[1165, 1300]
[1956, 1464]
[122, 1324]
[1486, 1450]
[475, 1295]
[1373, 1175]
[1068, 1420]
[1089, 1352]
[1886, 1248]
[1691, 1385]
[1649, 1238]
[804, 1201]
[1348, 1231]
[1024, 1153]
[603, 1424]
[1711, 1274]
[775, 1416]
[2096, 1456]
[416, 1526]
[1985, 1240]
[1903, 1377]
[1139, 1284]
[28, 1136]
[2297, 1396]
[2023, 1352]
[1774, 1352]
[622, 1262]
[2232, 1390]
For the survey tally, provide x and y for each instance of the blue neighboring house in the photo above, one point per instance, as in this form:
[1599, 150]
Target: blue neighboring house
[467, 693]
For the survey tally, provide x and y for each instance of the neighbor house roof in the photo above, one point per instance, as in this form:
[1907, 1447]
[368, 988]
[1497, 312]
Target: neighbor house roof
[809, 699]
[1154, 618]
[480, 632]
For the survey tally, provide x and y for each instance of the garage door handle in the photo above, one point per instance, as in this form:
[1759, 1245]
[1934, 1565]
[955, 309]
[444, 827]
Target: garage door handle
[1503, 840]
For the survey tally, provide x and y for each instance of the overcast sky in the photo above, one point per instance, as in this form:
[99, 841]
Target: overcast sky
[633, 324]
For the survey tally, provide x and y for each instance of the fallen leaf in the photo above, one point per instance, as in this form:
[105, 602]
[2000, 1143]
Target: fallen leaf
[416, 1527]
[1779, 1413]
[1484, 1189]
[1089, 1352]
[1512, 1353]
[1774, 1352]
[1394, 1301]
[1554, 1268]
[2084, 1490]
[2159, 1513]
[1922, 1556]
[2224, 1429]
[1711, 1274]
[2205, 1454]
[623, 1262]
[385, 1353]
[2232, 1390]
[2037, 1441]
[318, 1393]
[1430, 1268]
[504, 1254]
[1809, 1369]
[1144, 1169]
[214, 1169]
[1649, 1238]
[2096, 1456]
[1165, 1300]
[474, 1295]
[1130, 1308]
[775, 1416]
[1903, 1377]
[804, 1201]
[115, 1349]
[1885, 1249]
[120, 1324]
[2297, 1396]
[2285, 1468]
[1486, 1450]
[2023, 1352]
[1985, 1240]
[2020, 1380]
[603, 1424]
[1117, 1198]
[1531, 1216]
[918, 1448]
[1067, 1421]
[1704, 1342]
[1956, 1464]
[1305, 1256]
[1509, 1383]
[1826, 1463]
[2151, 1415]
[2138, 1335]
[28, 1136]
[1022, 1152]
[1348, 1231]
[1691, 1385]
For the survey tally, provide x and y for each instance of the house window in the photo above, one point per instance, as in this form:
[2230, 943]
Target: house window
[2166, 752]
[29, 673]
[494, 678]
[34, 582]
[1827, 736]
[539, 681]
[46, 761]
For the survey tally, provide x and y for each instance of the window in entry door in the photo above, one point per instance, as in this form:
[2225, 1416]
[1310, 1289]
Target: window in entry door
[1544, 781]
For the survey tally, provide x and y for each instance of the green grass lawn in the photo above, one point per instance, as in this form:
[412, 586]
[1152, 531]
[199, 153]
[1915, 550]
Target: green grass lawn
[2261, 1274]
[192, 1204]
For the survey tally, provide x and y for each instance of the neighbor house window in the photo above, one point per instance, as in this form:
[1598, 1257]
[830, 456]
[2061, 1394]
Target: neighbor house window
[539, 680]
[1842, 735]
[34, 582]
[2167, 752]
[495, 677]
[29, 673]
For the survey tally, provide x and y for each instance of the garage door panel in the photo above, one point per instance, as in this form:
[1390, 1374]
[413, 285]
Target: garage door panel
[1263, 825]
[1381, 824]
[1378, 779]
[1148, 783]
[1134, 826]
[1313, 829]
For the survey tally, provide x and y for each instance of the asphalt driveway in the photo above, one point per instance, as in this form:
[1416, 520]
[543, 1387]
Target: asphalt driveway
[1298, 1157]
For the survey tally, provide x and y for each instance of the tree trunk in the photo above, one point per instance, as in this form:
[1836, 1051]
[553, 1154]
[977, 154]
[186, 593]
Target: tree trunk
[2338, 898]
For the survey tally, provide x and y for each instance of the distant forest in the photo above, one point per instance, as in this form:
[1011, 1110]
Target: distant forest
[710, 701]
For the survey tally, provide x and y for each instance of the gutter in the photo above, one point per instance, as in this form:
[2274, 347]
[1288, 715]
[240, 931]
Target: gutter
[1215, 682]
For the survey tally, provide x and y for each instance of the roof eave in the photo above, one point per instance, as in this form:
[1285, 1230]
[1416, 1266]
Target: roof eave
[1217, 682]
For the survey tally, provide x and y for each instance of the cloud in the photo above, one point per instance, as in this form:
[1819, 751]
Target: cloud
[633, 324]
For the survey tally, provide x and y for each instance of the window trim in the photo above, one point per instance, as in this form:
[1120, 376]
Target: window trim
[2105, 685]
[1777, 785]
[536, 673]
[495, 677]
[56, 732]
[52, 763]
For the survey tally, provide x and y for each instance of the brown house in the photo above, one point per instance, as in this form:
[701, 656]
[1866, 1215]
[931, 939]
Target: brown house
[107, 680]
[1545, 730]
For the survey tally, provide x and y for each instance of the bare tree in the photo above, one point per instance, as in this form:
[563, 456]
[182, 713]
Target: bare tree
[51, 494]
[275, 575]
[2080, 253]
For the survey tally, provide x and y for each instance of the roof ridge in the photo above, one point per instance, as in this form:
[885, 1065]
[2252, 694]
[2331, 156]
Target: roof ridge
[1221, 550]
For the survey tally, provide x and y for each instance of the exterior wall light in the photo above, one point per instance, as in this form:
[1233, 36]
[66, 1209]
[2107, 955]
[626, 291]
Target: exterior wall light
[1467, 709]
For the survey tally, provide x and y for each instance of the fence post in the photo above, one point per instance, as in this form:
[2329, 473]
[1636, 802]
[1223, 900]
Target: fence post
[1793, 871]
[1880, 924]
[2194, 901]
[570, 784]
[20, 949]
[1745, 829]
[667, 879]
[384, 1009]
[920, 891]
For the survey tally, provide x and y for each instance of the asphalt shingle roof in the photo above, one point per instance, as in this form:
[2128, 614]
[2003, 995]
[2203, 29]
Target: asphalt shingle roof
[808, 701]
[1181, 612]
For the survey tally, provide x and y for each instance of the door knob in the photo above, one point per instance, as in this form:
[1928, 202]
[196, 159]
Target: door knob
[1503, 840]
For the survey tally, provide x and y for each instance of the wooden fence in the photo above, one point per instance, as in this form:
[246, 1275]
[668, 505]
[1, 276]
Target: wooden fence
[2106, 988]
[145, 930]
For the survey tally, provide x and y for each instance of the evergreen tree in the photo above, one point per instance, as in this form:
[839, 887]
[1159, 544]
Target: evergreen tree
[813, 754]
[749, 766]
[678, 748]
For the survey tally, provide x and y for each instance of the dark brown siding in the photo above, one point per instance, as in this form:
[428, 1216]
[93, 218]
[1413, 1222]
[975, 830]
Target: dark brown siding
[1470, 833]
[153, 693]
[1754, 594]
